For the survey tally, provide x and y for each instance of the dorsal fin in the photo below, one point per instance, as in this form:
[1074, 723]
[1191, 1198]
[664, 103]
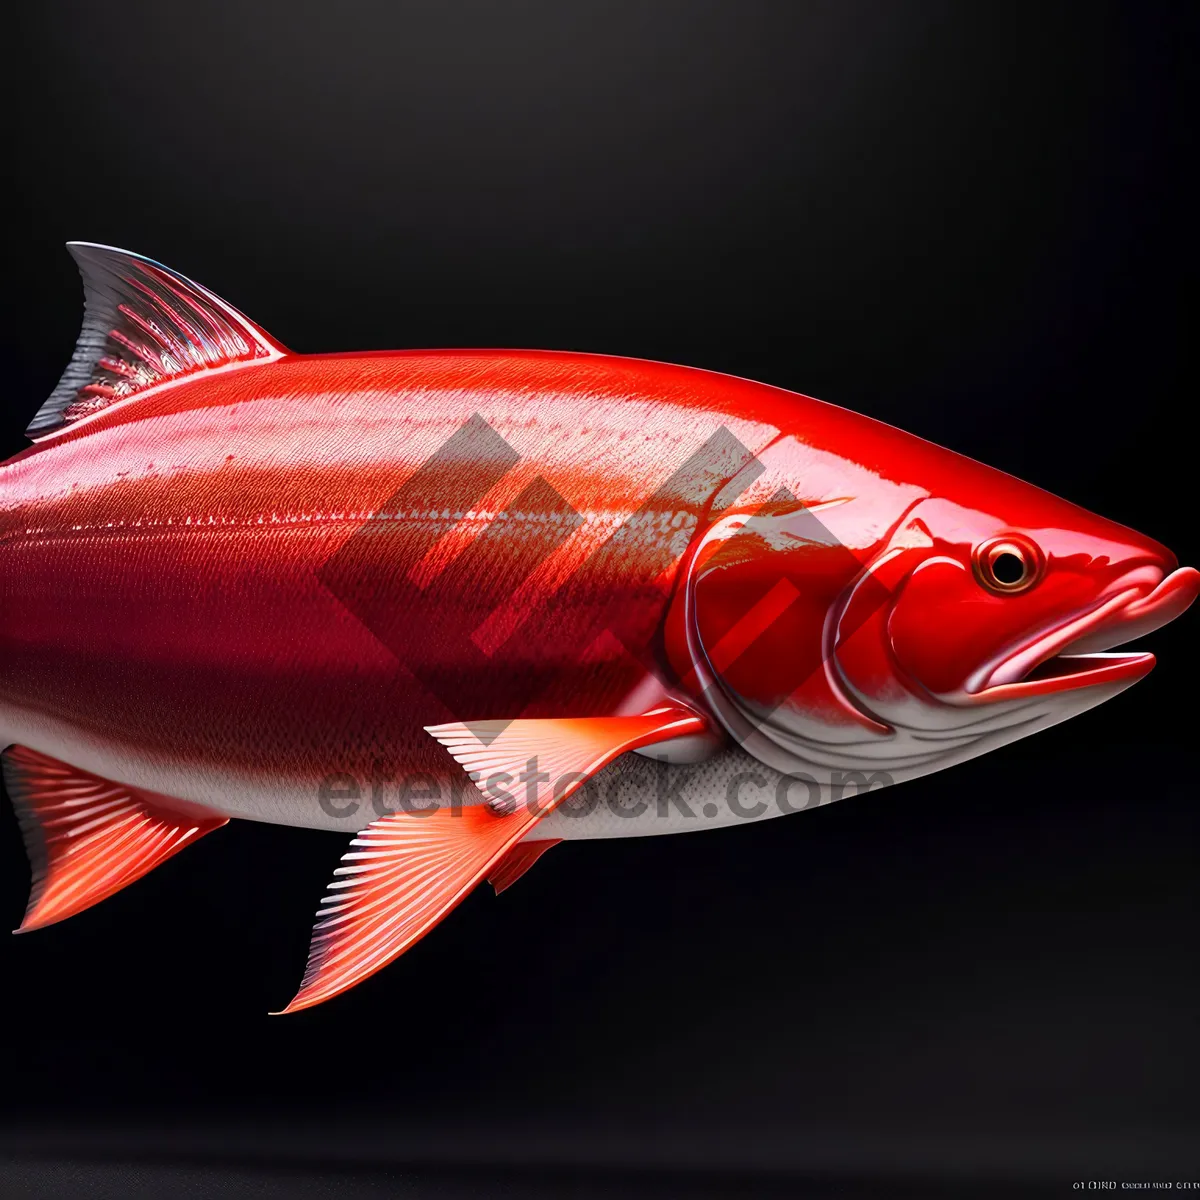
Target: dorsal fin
[143, 324]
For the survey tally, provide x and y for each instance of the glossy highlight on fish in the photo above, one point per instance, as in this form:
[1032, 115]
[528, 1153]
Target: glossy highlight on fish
[465, 605]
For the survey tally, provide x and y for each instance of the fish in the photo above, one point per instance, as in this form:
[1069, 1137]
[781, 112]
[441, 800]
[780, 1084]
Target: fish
[465, 605]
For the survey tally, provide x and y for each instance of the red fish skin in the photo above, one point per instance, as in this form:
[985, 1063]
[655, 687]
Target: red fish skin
[161, 562]
[165, 619]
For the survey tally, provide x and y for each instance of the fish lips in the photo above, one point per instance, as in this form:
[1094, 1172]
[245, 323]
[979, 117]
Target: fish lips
[1077, 653]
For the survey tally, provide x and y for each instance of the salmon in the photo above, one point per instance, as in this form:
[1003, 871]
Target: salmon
[466, 605]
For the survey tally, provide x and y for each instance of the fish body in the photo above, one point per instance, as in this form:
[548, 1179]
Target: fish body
[467, 604]
[252, 663]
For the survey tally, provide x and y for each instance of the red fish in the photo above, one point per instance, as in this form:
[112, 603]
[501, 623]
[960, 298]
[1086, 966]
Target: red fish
[467, 604]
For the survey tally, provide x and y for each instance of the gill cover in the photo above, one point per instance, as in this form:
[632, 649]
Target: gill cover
[759, 634]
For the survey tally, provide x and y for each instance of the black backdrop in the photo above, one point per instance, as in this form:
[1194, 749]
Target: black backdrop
[972, 221]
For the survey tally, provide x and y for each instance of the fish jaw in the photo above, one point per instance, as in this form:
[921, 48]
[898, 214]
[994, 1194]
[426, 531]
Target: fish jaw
[1079, 653]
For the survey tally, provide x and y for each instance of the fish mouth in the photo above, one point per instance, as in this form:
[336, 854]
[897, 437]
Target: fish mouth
[1079, 651]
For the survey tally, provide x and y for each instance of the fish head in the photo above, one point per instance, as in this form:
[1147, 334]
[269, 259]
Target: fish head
[926, 631]
[996, 609]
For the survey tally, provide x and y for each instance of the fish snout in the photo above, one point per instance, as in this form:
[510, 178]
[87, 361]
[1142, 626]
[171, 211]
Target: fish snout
[1162, 600]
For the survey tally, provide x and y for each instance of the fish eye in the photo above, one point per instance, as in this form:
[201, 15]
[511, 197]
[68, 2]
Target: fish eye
[1007, 564]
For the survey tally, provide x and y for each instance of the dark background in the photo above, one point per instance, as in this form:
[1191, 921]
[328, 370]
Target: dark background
[973, 221]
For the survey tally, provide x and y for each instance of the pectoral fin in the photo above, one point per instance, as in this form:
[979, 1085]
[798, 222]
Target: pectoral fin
[517, 861]
[88, 837]
[406, 871]
[537, 764]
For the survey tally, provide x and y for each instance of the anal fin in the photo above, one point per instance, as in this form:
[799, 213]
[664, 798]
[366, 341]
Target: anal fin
[406, 871]
[88, 837]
